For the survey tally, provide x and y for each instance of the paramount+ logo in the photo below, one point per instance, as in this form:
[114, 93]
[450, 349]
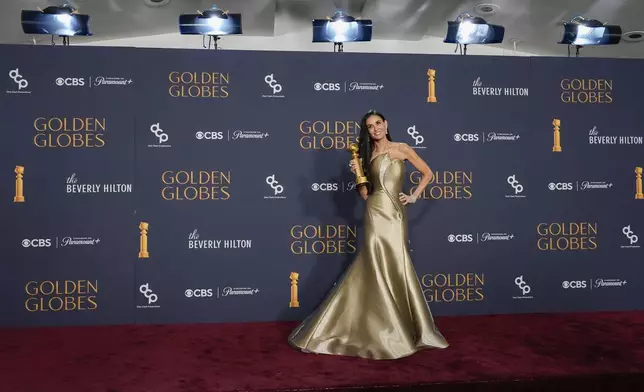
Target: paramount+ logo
[571, 236]
[323, 239]
[445, 185]
[328, 134]
[69, 132]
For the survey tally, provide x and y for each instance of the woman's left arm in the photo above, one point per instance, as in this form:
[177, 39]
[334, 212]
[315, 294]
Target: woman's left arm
[422, 167]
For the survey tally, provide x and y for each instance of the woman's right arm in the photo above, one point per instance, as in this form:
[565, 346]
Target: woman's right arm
[363, 192]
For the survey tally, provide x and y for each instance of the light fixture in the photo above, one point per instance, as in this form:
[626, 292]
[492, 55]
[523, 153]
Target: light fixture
[341, 28]
[468, 29]
[633, 36]
[156, 3]
[580, 32]
[486, 9]
[213, 23]
[63, 21]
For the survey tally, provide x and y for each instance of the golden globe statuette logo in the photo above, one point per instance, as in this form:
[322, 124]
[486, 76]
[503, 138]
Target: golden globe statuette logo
[323, 239]
[72, 132]
[143, 241]
[449, 288]
[556, 147]
[431, 86]
[328, 135]
[444, 185]
[638, 184]
[191, 185]
[571, 236]
[19, 197]
[295, 303]
[199, 84]
[361, 179]
[61, 296]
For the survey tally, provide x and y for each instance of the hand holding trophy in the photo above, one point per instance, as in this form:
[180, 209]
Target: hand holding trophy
[356, 165]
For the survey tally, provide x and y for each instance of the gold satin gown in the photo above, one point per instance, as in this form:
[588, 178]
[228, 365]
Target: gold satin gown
[377, 309]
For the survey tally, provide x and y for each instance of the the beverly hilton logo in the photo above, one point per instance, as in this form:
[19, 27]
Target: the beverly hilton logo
[19, 196]
[295, 303]
[638, 184]
[431, 86]
[556, 147]
[143, 240]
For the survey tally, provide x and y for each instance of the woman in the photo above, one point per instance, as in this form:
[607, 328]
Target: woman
[377, 310]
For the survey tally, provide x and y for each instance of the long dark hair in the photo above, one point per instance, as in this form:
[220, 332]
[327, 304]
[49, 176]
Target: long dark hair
[366, 144]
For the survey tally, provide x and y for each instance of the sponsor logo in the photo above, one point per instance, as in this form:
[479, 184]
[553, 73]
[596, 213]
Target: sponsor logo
[150, 296]
[72, 186]
[19, 81]
[579, 186]
[327, 86]
[631, 237]
[277, 188]
[416, 136]
[480, 90]
[274, 85]
[60, 242]
[70, 82]
[195, 242]
[516, 186]
[479, 237]
[161, 135]
[333, 186]
[523, 286]
[209, 135]
[595, 139]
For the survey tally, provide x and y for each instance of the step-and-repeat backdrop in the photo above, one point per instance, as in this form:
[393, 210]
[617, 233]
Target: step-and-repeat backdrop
[179, 186]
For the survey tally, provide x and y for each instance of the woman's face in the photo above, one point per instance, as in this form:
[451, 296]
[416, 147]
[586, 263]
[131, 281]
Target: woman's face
[377, 127]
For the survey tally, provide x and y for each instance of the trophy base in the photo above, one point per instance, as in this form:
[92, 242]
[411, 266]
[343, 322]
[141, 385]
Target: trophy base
[362, 180]
[144, 255]
[19, 199]
[639, 196]
[295, 304]
[556, 149]
[432, 100]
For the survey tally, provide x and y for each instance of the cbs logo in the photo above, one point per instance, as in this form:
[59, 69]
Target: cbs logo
[560, 186]
[324, 187]
[199, 293]
[574, 284]
[209, 135]
[460, 238]
[327, 86]
[72, 82]
[36, 243]
[466, 137]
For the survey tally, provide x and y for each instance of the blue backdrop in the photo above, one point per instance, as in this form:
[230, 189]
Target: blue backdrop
[235, 165]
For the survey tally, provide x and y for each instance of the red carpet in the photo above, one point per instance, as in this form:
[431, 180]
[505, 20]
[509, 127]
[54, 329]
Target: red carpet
[255, 357]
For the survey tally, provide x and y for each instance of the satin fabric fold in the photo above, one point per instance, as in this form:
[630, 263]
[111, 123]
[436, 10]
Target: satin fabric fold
[377, 309]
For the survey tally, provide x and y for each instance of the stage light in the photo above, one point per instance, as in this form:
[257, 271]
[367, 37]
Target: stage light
[63, 21]
[580, 31]
[341, 28]
[468, 29]
[213, 23]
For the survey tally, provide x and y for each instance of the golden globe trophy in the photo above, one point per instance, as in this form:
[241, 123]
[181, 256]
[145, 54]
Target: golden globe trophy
[361, 179]
[19, 197]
